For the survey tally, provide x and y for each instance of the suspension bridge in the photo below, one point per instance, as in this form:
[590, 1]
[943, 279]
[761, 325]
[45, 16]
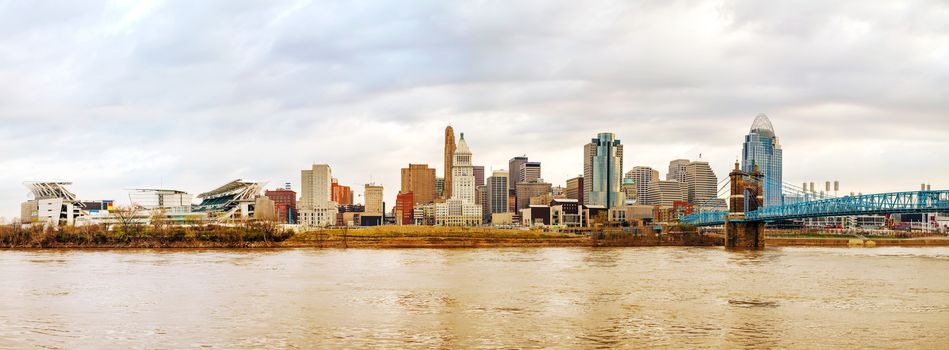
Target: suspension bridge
[746, 216]
[869, 204]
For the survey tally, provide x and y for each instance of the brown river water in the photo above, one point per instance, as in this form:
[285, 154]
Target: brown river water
[671, 297]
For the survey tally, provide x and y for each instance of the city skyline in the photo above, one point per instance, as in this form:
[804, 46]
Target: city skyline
[297, 186]
[474, 174]
[161, 109]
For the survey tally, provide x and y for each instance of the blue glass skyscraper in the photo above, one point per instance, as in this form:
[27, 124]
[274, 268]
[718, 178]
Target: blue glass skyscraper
[761, 147]
[603, 171]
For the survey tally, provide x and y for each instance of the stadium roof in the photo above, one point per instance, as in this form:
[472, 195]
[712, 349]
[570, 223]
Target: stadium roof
[226, 199]
[230, 188]
[50, 190]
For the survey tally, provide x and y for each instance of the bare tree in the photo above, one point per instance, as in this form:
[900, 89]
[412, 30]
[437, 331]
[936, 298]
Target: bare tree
[18, 232]
[267, 227]
[126, 217]
[159, 220]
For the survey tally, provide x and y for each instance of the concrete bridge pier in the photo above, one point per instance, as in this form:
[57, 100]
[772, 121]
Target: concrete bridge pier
[743, 234]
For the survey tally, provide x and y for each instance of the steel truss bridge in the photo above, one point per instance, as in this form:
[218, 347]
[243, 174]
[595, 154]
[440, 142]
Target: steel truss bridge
[870, 204]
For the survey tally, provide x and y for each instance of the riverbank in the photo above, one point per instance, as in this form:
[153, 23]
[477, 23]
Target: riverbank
[372, 237]
[857, 242]
[462, 237]
[255, 236]
[249, 235]
[432, 237]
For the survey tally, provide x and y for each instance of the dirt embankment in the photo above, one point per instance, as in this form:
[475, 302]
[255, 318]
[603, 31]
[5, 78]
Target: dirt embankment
[399, 237]
[856, 242]
[450, 237]
[432, 237]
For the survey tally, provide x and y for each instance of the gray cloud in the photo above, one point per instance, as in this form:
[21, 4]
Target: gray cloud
[193, 94]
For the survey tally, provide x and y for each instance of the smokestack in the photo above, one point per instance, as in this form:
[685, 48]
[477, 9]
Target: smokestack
[929, 187]
[804, 186]
[827, 186]
[836, 186]
[922, 187]
[812, 187]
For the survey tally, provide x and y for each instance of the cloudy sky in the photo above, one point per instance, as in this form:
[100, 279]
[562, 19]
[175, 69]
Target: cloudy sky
[192, 94]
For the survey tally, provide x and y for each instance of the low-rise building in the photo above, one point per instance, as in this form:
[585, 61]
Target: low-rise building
[424, 214]
[596, 214]
[566, 213]
[457, 212]
[349, 215]
[404, 209]
[285, 203]
[502, 219]
[535, 215]
[638, 212]
[262, 208]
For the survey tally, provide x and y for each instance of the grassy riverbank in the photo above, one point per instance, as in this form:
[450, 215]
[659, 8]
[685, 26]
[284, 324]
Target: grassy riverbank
[268, 235]
[249, 235]
[433, 237]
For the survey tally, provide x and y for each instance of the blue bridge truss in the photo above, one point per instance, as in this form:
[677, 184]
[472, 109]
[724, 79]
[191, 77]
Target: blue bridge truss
[869, 204]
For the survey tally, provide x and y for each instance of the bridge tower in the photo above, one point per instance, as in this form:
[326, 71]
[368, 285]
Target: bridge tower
[746, 195]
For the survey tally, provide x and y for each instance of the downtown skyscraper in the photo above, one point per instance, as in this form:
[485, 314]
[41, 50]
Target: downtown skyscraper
[603, 171]
[463, 179]
[461, 209]
[642, 176]
[497, 192]
[703, 186]
[449, 161]
[514, 170]
[530, 172]
[763, 149]
[316, 205]
[419, 179]
[677, 170]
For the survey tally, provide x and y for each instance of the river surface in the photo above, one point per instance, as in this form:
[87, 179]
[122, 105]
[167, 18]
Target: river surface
[476, 298]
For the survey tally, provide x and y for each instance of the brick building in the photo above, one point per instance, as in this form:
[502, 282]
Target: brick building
[285, 203]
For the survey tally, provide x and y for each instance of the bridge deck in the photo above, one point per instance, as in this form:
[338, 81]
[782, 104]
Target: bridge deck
[869, 204]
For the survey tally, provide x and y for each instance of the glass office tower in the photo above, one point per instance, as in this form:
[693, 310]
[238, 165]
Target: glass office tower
[603, 171]
[761, 147]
